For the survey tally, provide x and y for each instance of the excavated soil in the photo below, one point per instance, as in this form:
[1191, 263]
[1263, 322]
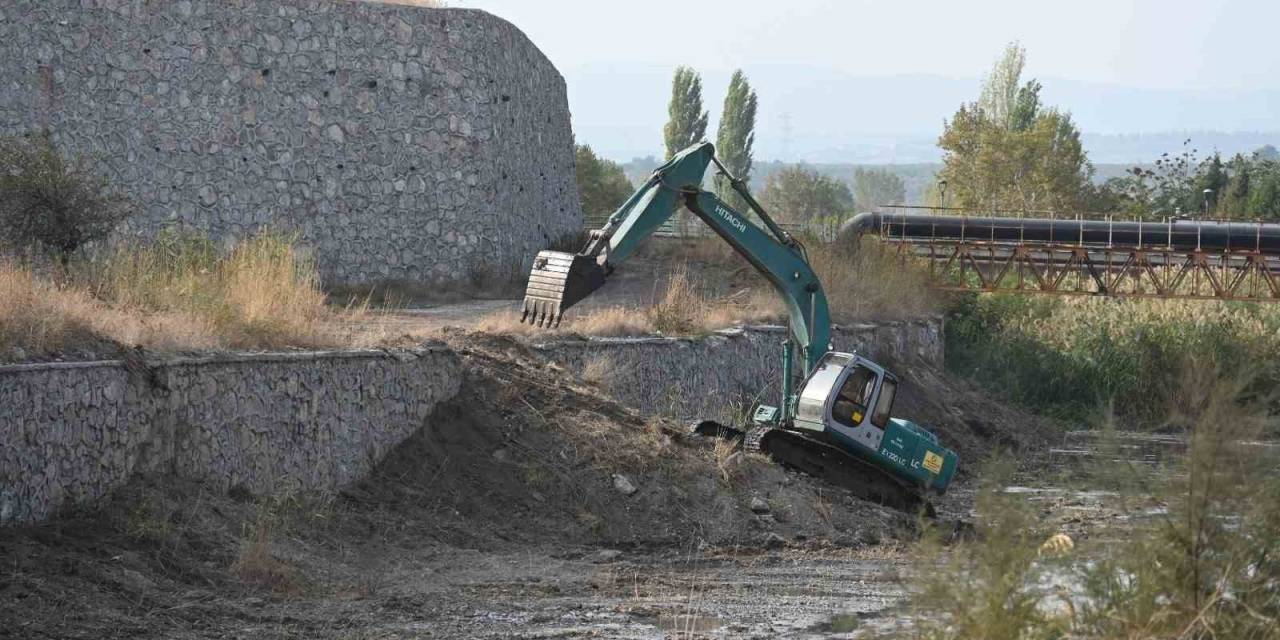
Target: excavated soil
[530, 506]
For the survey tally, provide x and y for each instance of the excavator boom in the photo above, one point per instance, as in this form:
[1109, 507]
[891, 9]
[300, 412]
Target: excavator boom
[830, 429]
[560, 280]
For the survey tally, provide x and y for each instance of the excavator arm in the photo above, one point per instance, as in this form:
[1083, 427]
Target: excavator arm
[560, 280]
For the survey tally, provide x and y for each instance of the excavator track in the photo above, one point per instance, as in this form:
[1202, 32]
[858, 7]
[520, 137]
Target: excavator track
[826, 461]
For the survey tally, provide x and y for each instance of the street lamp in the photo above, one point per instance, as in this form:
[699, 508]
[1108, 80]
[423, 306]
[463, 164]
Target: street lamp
[942, 193]
[1208, 193]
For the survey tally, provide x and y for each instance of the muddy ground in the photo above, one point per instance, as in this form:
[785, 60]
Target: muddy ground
[529, 507]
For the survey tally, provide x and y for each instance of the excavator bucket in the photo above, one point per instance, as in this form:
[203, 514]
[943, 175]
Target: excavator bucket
[558, 281]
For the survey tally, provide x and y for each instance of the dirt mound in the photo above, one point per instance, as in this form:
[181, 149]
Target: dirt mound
[968, 419]
[534, 455]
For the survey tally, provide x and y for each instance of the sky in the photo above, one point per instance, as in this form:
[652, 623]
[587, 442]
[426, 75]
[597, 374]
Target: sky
[1197, 64]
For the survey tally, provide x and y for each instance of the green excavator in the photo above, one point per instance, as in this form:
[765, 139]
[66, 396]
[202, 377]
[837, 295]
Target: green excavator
[838, 427]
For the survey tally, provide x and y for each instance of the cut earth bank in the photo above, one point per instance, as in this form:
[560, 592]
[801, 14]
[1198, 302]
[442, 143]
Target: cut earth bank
[528, 502]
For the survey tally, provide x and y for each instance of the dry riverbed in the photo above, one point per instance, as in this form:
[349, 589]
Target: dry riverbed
[531, 506]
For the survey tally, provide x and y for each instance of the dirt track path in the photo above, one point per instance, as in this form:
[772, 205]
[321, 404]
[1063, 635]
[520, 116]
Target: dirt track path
[792, 594]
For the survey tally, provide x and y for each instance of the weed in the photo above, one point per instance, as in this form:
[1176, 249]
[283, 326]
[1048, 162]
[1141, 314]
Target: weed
[866, 279]
[1203, 567]
[51, 202]
[597, 369]
[728, 459]
[255, 565]
[180, 292]
[678, 311]
[1074, 358]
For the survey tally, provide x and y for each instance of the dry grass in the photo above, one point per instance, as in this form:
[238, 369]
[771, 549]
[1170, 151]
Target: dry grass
[867, 280]
[256, 566]
[37, 315]
[728, 459]
[685, 308]
[863, 281]
[179, 293]
[598, 369]
[262, 293]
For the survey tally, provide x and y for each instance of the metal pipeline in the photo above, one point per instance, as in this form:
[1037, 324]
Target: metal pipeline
[1170, 235]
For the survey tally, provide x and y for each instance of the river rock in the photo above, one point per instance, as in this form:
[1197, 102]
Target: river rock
[623, 485]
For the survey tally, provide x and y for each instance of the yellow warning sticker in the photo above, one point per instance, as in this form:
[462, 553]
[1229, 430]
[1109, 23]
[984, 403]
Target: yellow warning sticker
[933, 462]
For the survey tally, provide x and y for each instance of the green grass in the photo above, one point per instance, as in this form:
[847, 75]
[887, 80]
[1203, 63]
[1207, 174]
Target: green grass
[1081, 358]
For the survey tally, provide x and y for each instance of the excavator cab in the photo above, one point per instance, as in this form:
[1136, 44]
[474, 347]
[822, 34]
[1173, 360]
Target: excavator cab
[848, 399]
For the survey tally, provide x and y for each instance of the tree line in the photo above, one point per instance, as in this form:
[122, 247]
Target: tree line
[1009, 152]
[797, 193]
[1006, 152]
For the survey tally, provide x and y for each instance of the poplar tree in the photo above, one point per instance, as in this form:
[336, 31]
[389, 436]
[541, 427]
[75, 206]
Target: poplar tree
[735, 136]
[687, 122]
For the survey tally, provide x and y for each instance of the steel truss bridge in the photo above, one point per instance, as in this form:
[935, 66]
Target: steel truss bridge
[1171, 258]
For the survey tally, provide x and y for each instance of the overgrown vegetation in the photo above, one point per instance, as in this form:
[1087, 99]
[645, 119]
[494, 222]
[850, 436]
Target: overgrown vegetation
[52, 203]
[179, 292]
[1008, 151]
[1076, 357]
[800, 194]
[871, 280]
[1183, 183]
[1197, 557]
[602, 186]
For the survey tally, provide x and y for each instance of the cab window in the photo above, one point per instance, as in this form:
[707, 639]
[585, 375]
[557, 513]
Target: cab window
[855, 394]
[884, 404]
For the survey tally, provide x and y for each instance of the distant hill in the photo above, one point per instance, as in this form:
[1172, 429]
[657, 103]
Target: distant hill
[829, 116]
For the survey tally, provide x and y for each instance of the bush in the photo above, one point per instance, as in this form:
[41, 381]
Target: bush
[1072, 357]
[50, 203]
[1204, 563]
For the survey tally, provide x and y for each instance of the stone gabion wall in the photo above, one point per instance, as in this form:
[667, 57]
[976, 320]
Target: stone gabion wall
[72, 432]
[731, 369]
[399, 142]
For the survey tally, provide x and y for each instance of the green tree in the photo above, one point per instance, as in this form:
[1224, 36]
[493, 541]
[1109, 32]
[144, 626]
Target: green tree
[1027, 107]
[874, 187]
[1001, 89]
[49, 202]
[1235, 201]
[1213, 177]
[602, 185]
[1264, 200]
[687, 120]
[1007, 151]
[799, 194]
[735, 136]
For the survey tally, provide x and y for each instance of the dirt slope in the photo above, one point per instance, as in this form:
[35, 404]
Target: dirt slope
[518, 478]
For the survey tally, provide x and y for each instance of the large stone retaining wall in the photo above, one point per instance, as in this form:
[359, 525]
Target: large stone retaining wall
[729, 370]
[398, 142]
[69, 433]
[72, 432]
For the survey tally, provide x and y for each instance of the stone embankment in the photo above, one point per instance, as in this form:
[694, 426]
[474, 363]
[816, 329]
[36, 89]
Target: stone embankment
[70, 433]
[399, 143]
